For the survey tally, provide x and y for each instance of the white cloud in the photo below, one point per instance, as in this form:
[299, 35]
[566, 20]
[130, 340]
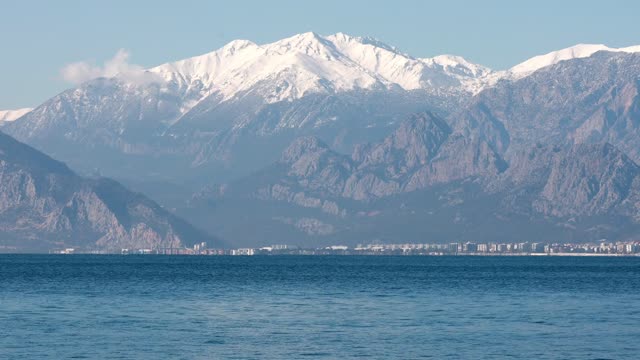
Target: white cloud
[118, 66]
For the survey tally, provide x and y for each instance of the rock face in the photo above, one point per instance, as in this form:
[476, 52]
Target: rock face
[578, 180]
[592, 99]
[44, 205]
[413, 145]
[565, 191]
[313, 165]
[420, 153]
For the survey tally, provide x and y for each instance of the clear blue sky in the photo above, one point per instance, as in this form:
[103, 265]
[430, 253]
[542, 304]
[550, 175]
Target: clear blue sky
[38, 38]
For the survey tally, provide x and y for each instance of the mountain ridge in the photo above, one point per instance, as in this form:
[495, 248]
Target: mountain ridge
[45, 206]
[316, 195]
[320, 132]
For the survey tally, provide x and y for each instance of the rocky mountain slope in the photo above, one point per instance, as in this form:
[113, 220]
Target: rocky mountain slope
[322, 138]
[44, 205]
[572, 181]
[198, 117]
[592, 99]
[232, 111]
[315, 193]
[422, 152]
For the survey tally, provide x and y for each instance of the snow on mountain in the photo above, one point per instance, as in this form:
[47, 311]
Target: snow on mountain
[296, 66]
[11, 115]
[444, 71]
[472, 77]
[458, 64]
[310, 63]
[575, 52]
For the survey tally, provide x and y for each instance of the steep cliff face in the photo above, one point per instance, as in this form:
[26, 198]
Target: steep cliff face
[45, 205]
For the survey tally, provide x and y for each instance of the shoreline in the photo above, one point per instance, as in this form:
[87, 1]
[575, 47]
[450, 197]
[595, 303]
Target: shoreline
[338, 254]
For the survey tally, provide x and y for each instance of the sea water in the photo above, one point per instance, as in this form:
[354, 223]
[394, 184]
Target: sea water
[292, 307]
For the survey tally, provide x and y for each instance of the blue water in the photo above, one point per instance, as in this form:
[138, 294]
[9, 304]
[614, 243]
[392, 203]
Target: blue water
[154, 307]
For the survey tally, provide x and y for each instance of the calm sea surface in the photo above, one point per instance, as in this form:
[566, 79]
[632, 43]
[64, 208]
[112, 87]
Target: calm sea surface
[289, 307]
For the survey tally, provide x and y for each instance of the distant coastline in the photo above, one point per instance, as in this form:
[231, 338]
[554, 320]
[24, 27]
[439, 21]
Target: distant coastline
[356, 254]
[602, 248]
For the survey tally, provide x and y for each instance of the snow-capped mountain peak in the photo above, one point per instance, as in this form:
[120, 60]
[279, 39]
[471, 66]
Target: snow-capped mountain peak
[305, 63]
[574, 52]
[308, 43]
[456, 63]
[238, 44]
[293, 66]
[364, 40]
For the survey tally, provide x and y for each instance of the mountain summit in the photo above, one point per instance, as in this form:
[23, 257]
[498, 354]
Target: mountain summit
[340, 127]
[203, 113]
[574, 52]
[310, 63]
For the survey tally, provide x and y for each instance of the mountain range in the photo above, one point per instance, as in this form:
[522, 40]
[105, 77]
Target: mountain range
[324, 139]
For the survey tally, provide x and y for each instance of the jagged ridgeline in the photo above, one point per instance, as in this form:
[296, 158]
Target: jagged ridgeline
[232, 111]
[424, 183]
[323, 139]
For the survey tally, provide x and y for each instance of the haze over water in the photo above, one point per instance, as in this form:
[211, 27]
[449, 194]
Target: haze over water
[151, 307]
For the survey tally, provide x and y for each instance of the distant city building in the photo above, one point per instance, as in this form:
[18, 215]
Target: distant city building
[337, 247]
[243, 251]
[601, 248]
